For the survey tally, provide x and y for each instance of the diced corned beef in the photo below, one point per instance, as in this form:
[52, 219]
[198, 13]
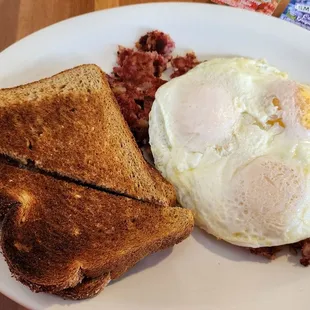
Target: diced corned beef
[156, 41]
[138, 66]
[150, 91]
[137, 77]
[305, 253]
[123, 53]
[135, 81]
[135, 99]
[182, 64]
[120, 87]
[303, 246]
[268, 252]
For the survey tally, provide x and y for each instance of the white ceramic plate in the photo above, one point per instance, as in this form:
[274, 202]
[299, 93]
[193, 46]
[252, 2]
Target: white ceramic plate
[200, 273]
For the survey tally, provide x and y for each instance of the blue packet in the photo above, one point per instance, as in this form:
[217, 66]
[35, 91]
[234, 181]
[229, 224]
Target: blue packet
[298, 12]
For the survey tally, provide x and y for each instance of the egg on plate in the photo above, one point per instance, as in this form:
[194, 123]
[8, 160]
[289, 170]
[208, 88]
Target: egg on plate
[232, 135]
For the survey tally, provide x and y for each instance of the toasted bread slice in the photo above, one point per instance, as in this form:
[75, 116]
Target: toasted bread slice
[57, 234]
[88, 288]
[71, 124]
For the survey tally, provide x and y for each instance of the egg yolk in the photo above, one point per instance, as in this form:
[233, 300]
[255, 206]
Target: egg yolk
[304, 103]
[279, 121]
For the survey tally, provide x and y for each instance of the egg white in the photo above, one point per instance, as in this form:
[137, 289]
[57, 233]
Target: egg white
[229, 136]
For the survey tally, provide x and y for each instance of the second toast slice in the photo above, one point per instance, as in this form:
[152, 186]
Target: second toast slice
[57, 234]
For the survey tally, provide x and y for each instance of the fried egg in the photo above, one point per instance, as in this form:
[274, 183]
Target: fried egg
[232, 135]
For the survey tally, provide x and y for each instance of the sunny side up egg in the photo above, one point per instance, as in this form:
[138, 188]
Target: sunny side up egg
[232, 135]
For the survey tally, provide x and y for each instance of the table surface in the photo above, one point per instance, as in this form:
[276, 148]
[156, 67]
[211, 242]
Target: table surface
[19, 18]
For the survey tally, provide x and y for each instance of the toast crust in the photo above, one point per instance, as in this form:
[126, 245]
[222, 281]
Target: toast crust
[88, 288]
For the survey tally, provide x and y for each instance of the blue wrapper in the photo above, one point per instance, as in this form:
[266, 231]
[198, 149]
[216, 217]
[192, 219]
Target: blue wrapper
[298, 12]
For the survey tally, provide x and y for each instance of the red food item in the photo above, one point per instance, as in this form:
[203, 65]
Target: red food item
[139, 66]
[305, 252]
[182, 64]
[156, 41]
[303, 246]
[268, 252]
[135, 104]
[134, 83]
[137, 77]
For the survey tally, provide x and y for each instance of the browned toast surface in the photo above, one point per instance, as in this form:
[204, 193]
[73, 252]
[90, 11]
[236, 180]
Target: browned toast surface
[88, 288]
[56, 233]
[70, 124]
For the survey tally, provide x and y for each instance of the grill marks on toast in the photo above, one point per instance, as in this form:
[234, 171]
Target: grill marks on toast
[60, 234]
[71, 124]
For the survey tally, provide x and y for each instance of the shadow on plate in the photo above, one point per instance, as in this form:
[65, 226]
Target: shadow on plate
[148, 262]
[239, 254]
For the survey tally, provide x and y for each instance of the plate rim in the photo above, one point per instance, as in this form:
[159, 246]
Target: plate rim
[287, 29]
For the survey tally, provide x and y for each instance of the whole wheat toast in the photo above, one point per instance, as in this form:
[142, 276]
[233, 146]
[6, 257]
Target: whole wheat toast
[88, 288]
[62, 238]
[71, 125]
